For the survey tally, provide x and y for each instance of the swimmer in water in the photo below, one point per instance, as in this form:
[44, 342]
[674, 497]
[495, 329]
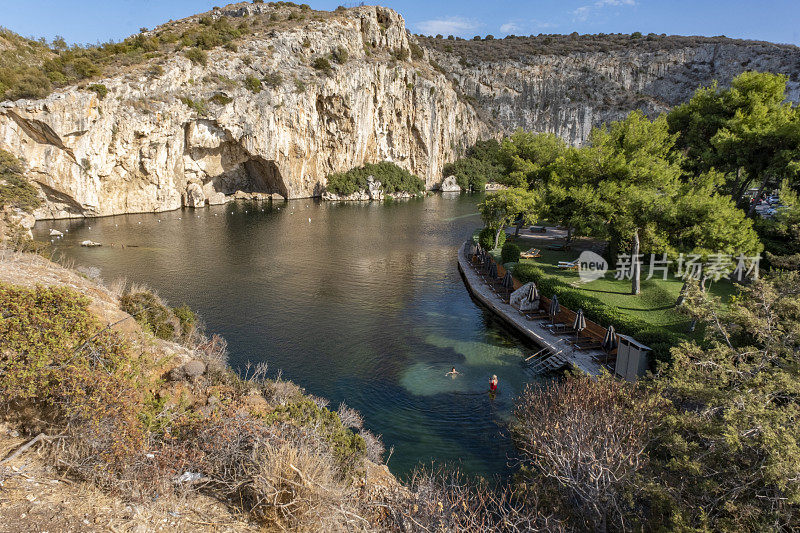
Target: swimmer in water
[453, 372]
[493, 384]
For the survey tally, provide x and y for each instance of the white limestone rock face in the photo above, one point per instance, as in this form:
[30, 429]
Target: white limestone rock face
[140, 147]
[374, 191]
[450, 185]
[570, 93]
[195, 197]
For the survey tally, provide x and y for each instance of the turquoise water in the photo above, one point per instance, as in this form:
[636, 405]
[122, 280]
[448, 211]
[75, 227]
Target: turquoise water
[359, 303]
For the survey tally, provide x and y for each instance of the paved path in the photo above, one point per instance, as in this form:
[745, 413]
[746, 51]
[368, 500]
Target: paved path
[554, 343]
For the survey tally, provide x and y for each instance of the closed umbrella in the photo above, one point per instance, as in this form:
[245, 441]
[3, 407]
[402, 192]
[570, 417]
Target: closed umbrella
[508, 280]
[554, 307]
[533, 293]
[492, 269]
[610, 340]
[580, 322]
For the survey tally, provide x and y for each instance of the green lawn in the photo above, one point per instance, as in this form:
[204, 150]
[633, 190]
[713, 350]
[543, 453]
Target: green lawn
[655, 304]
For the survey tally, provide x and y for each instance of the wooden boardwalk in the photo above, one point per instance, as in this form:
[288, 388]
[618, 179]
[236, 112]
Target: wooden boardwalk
[556, 350]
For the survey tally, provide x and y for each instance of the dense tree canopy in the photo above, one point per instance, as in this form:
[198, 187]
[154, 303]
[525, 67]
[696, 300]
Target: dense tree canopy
[748, 131]
[502, 208]
[729, 449]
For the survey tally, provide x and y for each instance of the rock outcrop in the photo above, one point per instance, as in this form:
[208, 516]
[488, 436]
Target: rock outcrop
[187, 136]
[449, 184]
[570, 93]
[171, 133]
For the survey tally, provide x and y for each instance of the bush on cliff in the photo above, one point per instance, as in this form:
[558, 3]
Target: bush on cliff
[393, 179]
[15, 190]
[149, 311]
[81, 376]
[323, 65]
[260, 442]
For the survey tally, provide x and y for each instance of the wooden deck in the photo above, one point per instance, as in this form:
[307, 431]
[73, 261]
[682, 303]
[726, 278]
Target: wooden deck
[556, 350]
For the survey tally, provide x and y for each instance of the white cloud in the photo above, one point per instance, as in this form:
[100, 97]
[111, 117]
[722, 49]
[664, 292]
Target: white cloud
[527, 26]
[510, 27]
[447, 26]
[582, 13]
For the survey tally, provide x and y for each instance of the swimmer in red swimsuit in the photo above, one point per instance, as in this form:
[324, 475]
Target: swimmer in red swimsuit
[493, 384]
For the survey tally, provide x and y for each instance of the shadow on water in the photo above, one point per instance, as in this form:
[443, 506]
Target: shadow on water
[357, 302]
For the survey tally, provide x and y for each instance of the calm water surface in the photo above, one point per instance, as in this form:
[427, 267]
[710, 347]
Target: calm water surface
[359, 303]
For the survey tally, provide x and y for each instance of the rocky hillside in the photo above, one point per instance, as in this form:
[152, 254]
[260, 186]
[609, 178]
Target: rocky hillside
[292, 95]
[567, 84]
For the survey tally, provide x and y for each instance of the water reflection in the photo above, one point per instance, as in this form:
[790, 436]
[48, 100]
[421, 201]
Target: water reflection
[360, 303]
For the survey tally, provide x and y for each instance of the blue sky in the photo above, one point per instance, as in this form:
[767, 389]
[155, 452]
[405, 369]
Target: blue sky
[90, 21]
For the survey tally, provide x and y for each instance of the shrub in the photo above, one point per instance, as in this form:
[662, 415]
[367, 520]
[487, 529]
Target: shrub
[416, 51]
[155, 71]
[199, 106]
[340, 55]
[196, 56]
[149, 311]
[347, 447]
[400, 54]
[221, 99]
[186, 318]
[273, 79]
[510, 253]
[15, 190]
[323, 65]
[589, 436]
[56, 355]
[98, 88]
[252, 84]
[486, 238]
[392, 178]
[299, 86]
[283, 475]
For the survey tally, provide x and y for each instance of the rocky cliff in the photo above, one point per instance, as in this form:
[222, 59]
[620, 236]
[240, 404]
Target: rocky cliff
[189, 133]
[266, 116]
[570, 86]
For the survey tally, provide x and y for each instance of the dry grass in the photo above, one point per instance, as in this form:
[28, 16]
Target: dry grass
[260, 445]
[35, 497]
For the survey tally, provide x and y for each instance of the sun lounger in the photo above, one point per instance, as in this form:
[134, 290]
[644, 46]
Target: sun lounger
[538, 229]
[558, 246]
[569, 265]
[533, 253]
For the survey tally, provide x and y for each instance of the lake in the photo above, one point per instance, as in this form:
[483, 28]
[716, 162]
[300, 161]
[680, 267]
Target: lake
[359, 303]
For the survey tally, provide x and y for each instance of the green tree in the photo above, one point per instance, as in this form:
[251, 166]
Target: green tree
[527, 157]
[502, 208]
[749, 131]
[635, 177]
[628, 186]
[480, 165]
[728, 453]
[15, 189]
